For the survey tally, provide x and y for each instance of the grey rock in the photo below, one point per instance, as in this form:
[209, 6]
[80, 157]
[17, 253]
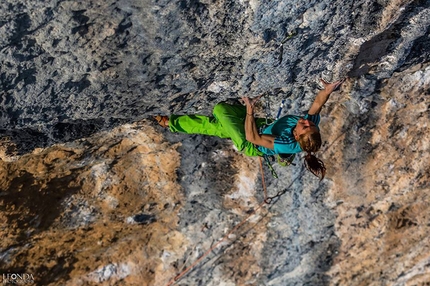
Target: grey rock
[69, 69]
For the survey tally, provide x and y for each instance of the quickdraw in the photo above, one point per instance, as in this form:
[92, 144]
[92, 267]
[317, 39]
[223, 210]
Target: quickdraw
[282, 159]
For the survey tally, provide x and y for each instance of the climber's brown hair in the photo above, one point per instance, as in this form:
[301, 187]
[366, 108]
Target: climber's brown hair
[311, 142]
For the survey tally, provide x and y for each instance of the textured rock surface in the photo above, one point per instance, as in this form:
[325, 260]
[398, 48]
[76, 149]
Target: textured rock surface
[91, 192]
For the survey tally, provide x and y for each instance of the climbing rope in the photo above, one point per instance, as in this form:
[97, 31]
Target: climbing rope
[267, 200]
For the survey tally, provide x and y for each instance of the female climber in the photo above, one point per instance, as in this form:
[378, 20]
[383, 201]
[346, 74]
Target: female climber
[290, 134]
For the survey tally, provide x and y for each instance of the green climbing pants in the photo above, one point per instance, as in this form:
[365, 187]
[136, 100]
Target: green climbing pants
[228, 121]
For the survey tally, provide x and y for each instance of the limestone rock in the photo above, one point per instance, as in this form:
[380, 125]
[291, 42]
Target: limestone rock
[92, 192]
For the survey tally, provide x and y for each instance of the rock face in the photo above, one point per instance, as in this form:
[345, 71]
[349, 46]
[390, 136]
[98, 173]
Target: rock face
[93, 192]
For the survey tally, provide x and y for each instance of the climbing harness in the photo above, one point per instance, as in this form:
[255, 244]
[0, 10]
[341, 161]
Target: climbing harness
[282, 160]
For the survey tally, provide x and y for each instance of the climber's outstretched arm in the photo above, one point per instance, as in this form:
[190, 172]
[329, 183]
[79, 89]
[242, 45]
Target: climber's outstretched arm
[323, 96]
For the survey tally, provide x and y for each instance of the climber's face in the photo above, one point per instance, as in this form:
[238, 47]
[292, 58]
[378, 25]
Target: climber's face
[304, 126]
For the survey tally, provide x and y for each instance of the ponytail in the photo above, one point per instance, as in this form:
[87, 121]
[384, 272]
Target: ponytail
[312, 143]
[315, 165]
